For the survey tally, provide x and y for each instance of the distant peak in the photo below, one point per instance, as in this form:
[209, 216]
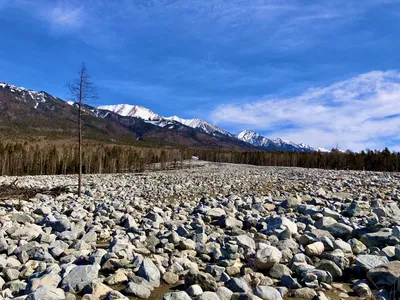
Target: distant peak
[128, 110]
[245, 134]
[37, 96]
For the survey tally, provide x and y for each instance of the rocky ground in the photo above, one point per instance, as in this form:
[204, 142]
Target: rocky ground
[210, 232]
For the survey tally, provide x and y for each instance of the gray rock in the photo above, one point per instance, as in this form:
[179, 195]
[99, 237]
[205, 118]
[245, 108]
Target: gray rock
[368, 262]
[304, 293]
[230, 222]
[150, 272]
[137, 290]
[47, 280]
[27, 233]
[245, 241]
[330, 267]
[194, 290]
[356, 246]
[216, 212]
[44, 293]
[204, 280]
[289, 282]
[224, 293]
[385, 275]
[376, 239]
[170, 278]
[278, 270]
[80, 276]
[238, 285]
[11, 274]
[208, 296]
[340, 230]
[291, 202]
[61, 225]
[267, 257]
[176, 296]
[315, 249]
[362, 289]
[267, 292]
[44, 210]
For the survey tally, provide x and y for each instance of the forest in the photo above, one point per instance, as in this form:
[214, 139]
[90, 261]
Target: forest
[18, 159]
[369, 160]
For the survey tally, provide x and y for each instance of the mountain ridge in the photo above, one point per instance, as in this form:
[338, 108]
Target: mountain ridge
[27, 115]
[19, 105]
[258, 140]
[247, 136]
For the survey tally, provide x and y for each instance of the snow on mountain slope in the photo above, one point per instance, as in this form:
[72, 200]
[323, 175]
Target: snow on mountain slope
[256, 139]
[201, 125]
[247, 136]
[38, 97]
[33, 99]
[155, 119]
[136, 111]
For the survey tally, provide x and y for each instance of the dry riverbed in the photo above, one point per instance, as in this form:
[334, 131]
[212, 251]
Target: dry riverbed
[212, 231]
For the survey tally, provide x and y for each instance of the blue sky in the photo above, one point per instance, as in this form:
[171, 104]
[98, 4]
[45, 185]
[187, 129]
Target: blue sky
[318, 72]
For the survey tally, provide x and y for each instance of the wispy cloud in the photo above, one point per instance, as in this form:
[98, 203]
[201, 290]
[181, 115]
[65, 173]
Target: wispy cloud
[199, 19]
[66, 16]
[358, 113]
[61, 15]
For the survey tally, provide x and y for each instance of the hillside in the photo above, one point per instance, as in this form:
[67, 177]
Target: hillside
[30, 115]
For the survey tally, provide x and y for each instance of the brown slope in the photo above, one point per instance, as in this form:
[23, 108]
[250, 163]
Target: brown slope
[26, 116]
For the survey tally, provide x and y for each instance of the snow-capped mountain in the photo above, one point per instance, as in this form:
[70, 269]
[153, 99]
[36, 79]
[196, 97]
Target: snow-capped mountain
[151, 117]
[258, 140]
[201, 125]
[247, 136]
[251, 137]
[136, 111]
[38, 97]
[37, 112]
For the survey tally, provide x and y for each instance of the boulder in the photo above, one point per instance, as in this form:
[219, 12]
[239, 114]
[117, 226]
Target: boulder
[149, 271]
[267, 292]
[315, 249]
[267, 257]
[176, 296]
[79, 276]
[368, 261]
[386, 275]
[46, 293]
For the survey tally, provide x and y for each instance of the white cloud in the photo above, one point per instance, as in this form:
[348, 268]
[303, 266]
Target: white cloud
[61, 15]
[66, 16]
[358, 113]
[276, 24]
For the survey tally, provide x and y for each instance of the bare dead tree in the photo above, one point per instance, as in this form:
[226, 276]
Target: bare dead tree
[82, 90]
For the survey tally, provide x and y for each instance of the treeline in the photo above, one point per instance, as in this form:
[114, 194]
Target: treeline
[43, 159]
[368, 160]
[23, 159]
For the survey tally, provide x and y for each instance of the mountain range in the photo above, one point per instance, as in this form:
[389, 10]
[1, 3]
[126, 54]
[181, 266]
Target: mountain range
[247, 136]
[32, 114]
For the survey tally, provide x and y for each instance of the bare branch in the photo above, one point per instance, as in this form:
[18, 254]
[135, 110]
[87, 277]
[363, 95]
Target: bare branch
[82, 90]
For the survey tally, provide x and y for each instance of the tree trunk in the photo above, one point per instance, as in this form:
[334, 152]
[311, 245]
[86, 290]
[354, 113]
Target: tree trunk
[80, 142]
